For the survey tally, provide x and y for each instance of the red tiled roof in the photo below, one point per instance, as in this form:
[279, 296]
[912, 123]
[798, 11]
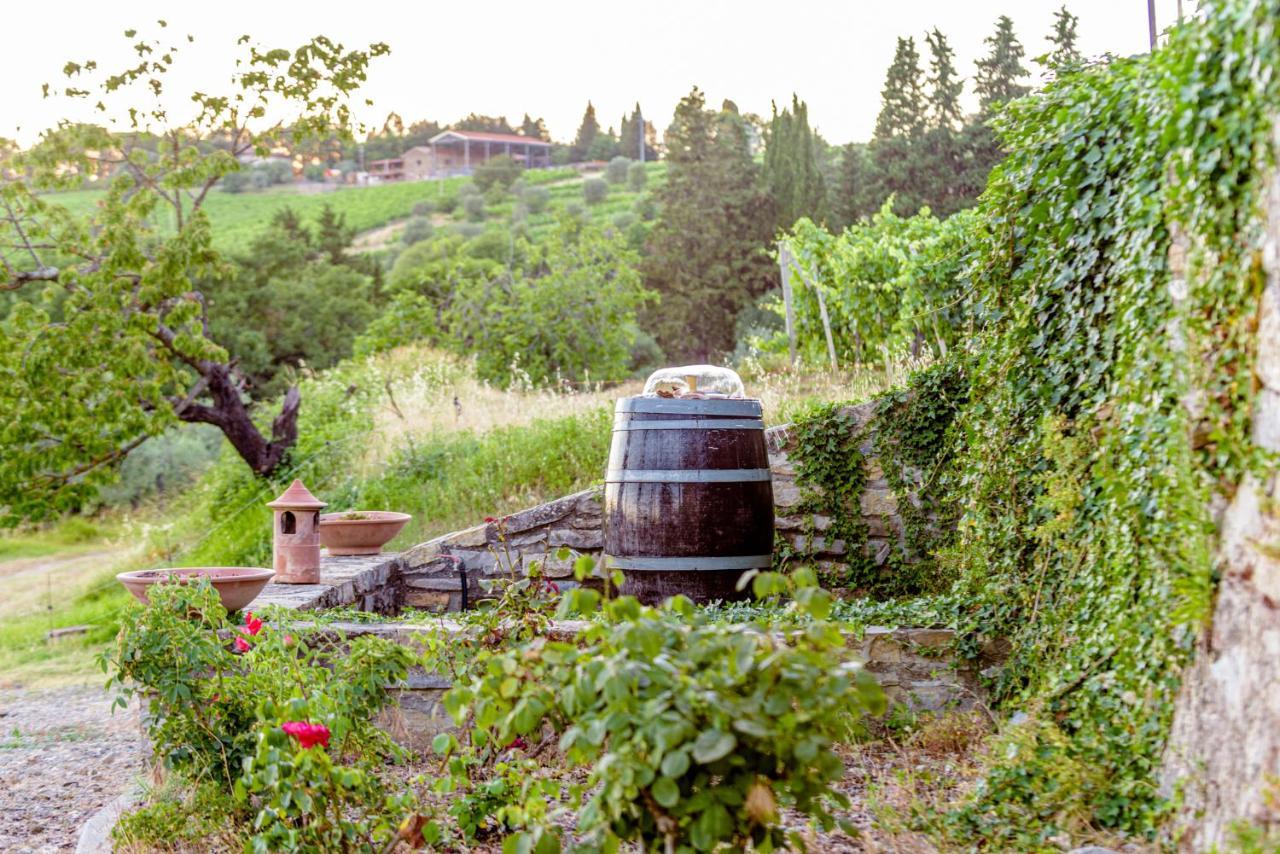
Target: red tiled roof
[480, 136]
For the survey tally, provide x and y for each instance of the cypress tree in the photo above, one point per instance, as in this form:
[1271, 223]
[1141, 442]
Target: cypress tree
[902, 110]
[945, 84]
[534, 129]
[1063, 38]
[1001, 69]
[791, 168]
[706, 256]
[587, 133]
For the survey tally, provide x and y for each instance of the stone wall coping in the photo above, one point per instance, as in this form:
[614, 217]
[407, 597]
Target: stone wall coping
[343, 581]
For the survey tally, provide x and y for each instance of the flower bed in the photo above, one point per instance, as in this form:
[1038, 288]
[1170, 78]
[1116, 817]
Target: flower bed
[675, 723]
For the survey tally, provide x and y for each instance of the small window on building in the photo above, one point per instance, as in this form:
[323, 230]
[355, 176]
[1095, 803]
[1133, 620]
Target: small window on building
[315, 521]
[288, 524]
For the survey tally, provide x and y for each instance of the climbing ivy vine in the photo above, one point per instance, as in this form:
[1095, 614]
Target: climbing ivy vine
[1109, 398]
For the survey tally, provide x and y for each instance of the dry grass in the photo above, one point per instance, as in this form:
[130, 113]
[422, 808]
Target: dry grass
[440, 394]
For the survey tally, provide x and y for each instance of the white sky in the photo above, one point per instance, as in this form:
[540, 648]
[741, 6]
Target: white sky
[548, 57]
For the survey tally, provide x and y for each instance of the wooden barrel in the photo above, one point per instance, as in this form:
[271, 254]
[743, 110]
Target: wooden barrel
[688, 497]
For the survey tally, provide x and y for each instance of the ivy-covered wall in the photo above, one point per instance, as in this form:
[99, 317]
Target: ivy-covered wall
[1223, 758]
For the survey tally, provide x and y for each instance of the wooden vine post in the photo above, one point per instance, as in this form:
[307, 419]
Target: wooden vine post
[787, 259]
[784, 264]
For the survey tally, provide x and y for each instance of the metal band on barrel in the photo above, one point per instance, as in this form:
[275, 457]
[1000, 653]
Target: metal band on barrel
[726, 407]
[688, 564]
[691, 424]
[686, 475]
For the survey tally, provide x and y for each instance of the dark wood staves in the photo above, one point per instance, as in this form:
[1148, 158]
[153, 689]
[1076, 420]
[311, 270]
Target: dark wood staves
[688, 497]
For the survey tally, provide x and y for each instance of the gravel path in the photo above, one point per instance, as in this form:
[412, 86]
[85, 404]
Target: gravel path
[63, 756]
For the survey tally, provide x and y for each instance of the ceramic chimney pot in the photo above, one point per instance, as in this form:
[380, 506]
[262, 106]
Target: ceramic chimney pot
[296, 540]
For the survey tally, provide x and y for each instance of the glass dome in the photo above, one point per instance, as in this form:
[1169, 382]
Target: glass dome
[694, 381]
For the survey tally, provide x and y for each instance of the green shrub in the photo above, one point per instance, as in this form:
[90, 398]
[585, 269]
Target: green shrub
[623, 220]
[698, 734]
[637, 177]
[424, 208]
[280, 715]
[501, 171]
[416, 230]
[616, 171]
[536, 199]
[594, 190]
[473, 206]
[647, 208]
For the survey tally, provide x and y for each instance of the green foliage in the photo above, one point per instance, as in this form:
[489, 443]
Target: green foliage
[594, 190]
[1000, 71]
[473, 206]
[791, 169]
[588, 130]
[903, 110]
[294, 298]
[1085, 538]
[698, 733]
[637, 175]
[706, 255]
[892, 284]
[535, 199]
[416, 230]
[501, 172]
[108, 345]
[617, 170]
[217, 715]
[564, 306]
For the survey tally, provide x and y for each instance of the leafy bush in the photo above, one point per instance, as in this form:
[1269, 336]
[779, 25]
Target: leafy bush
[594, 190]
[623, 220]
[637, 177]
[697, 733]
[536, 199]
[647, 208]
[501, 171]
[616, 171]
[892, 284]
[256, 707]
[426, 207]
[235, 182]
[416, 230]
[473, 206]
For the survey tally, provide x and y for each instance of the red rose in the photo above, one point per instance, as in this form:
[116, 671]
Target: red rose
[307, 734]
[242, 645]
[252, 624]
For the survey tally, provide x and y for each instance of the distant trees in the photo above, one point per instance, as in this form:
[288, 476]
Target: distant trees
[1001, 70]
[791, 169]
[925, 152]
[484, 124]
[635, 131]
[1063, 38]
[903, 108]
[565, 306]
[707, 254]
[588, 130]
[534, 128]
[501, 171]
[295, 297]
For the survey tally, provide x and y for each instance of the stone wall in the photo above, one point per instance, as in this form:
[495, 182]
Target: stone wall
[1224, 749]
[916, 668]
[430, 571]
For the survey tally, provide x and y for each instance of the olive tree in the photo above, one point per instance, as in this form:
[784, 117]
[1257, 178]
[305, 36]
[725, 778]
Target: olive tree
[105, 341]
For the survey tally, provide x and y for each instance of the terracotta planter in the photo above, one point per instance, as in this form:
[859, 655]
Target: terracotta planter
[237, 586]
[360, 532]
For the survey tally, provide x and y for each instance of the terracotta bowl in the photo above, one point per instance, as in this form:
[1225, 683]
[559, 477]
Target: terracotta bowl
[365, 535]
[237, 586]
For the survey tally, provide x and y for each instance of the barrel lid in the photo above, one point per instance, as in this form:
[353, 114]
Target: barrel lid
[737, 407]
